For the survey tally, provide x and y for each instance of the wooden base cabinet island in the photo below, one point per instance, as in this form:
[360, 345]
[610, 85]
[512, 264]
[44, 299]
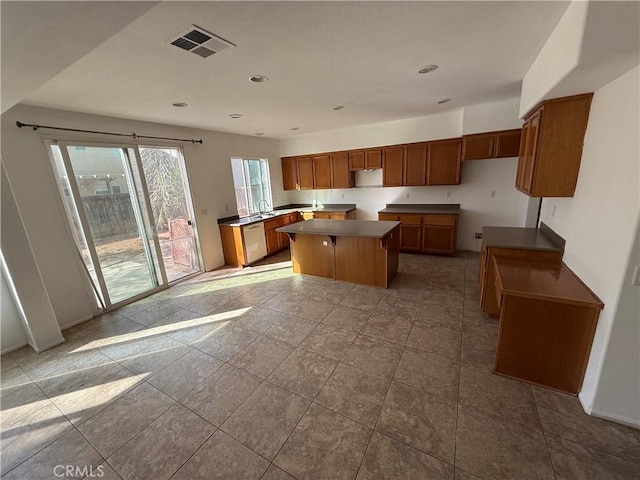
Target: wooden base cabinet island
[358, 251]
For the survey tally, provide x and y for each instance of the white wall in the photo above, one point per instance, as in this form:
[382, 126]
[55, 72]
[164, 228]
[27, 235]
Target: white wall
[558, 57]
[12, 334]
[599, 225]
[19, 264]
[479, 178]
[40, 206]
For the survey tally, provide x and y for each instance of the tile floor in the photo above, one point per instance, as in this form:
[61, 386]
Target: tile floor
[263, 374]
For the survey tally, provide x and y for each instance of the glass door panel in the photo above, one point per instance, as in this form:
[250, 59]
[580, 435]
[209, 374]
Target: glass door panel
[170, 201]
[114, 219]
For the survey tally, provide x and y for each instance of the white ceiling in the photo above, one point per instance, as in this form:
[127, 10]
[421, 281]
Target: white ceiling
[363, 55]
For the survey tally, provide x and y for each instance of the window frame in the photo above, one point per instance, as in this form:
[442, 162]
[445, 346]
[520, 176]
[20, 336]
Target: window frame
[246, 184]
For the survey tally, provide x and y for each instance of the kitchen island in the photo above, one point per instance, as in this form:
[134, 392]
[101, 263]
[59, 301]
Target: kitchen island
[358, 251]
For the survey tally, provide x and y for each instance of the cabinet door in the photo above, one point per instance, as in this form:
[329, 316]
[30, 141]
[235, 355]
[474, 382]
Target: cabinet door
[410, 237]
[443, 164]
[322, 171]
[305, 173]
[283, 240]
[392, 159]
[373, 158]
[415, 165]
[356, 160]
[325, 215]
[338, 216]
[289, 173]
[476, 147]
[526, 162]
[438, 238]
[273, 242]
[388, 217]
[507, 144]
[341, 175]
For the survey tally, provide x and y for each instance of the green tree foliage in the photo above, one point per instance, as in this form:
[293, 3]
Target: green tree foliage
[164, 181]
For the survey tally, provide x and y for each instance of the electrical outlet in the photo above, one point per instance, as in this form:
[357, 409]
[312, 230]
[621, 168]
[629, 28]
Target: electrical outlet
[226, 207]
[553, 211]
[493, 194]
[342, 196]
[448, 195]
[636, 276]
[478, 235]
[407, 195]
[204, 211]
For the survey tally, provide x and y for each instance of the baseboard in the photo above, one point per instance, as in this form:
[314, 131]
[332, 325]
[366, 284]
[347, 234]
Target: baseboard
[13, 348]
[629, 422]
[49, 345]
[76, 322]
[586, 406]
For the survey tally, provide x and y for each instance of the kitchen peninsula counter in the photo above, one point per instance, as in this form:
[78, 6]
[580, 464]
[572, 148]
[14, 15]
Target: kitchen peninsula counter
[358, 251]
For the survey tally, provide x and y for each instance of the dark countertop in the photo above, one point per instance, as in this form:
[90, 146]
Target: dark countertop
[424, 208]
[341, 228]
[519, 238]
[286, 209]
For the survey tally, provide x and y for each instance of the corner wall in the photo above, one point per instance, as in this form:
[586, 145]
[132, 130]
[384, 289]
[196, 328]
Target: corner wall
[38, 200]
[599, 224]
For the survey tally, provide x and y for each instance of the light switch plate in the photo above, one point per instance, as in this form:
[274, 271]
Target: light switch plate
[636, 276]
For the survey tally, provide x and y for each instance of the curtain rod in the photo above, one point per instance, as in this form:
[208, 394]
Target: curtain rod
[132, 135]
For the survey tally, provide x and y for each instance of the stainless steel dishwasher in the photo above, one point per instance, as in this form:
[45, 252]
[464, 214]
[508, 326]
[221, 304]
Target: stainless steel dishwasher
[255, 243]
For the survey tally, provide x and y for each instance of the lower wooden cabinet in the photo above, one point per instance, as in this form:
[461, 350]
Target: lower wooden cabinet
[438, 238]
[330, 215]
[486, 276]
[426, 233]
[410, 238]
[273, 240]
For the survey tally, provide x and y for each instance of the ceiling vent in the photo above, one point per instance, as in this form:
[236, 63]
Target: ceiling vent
[199, 41]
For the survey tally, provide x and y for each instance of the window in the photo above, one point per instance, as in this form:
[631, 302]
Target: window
[116, 189]
[252, 185]
[101, 190]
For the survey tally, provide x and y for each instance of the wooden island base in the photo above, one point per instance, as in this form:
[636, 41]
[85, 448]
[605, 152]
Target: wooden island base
[368, 260]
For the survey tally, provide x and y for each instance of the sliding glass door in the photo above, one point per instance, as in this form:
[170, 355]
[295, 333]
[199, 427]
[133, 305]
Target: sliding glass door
[113, 220]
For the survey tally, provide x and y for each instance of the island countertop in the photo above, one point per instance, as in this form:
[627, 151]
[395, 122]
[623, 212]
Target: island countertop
[423, 208]
[341, 228]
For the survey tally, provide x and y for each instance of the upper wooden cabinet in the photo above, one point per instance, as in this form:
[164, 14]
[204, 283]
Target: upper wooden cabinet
[551, 147]
[507, 143]
[341, 175]
[491, 145]
[289, 173]
[392, 166]
[322, 171]
[443, 163]
[356, 160]
[373, 158]
[305, 173]
[415, 164]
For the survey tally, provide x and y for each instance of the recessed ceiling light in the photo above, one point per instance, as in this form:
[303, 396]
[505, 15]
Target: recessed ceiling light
[337, 107]
[258, 78]
[444, 101]
[428, 68]
[295, 128]
[179, 104]
[236, 115]
[259, 133]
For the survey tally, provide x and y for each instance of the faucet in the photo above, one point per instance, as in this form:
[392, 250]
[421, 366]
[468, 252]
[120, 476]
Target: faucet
[260, 203]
